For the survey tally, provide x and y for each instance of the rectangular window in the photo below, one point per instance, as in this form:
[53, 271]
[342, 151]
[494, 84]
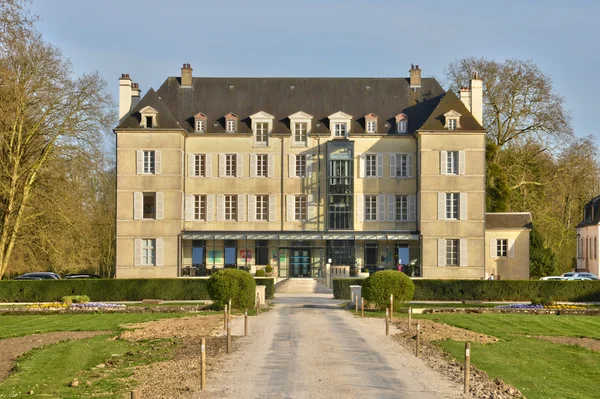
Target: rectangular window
[200, 165]
[339, 129]
[148, 251]
[452, 205]
[401, 208]
[262, 207]
[200, 207]
[149, 122]
[452, 163]
[262, 133]
[262, 252]
[402, 126]
[370, 208]
[501, 247]
[300, 133]
[401, 165]
[231, 207]
[200, 126]
[230, 165]
[261, 165]
[300, 207]
[371, 126]
[452, 255]
[149, 162]
[231, 126]
[301, 165]
[149, 206]
[371, 165]
[451, 124]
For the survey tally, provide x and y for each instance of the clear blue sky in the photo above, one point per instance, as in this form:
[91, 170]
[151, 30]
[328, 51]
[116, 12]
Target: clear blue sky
[151, 39]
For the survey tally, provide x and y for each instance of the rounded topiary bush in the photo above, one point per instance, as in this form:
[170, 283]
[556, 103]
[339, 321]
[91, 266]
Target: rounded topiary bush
[378, 287]
[237, 285]
[260, 273]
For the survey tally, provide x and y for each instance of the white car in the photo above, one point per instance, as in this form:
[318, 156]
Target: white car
[553, 278]
[584, 275]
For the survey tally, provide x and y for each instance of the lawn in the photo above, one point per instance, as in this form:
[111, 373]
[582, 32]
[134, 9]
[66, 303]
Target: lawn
[540, 369]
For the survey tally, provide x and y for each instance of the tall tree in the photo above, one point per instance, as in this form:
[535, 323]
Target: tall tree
[45, 114]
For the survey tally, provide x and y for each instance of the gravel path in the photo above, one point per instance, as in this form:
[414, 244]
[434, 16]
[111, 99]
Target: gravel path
[308, 347]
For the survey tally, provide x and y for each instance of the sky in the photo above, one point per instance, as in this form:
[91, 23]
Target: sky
[151, 39]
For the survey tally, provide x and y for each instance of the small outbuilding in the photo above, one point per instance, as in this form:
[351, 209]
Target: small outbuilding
[507, 239]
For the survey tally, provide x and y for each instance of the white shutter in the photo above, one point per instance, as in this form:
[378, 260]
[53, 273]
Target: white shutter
[253, 165]
[360, 207]
[443, 162]
[210, 208]
[241, 207]
[462, 203]
[409, 165]
[312, 207]
[391, 208]
[418, 213]
[160, 205]
[137, 252]
[292, 165]
[138, 205]
[240, 165]
[208, 165]
[379, 165]
[191, 165]
[290, 208]
[140, 162]
[412, 208]
[392, 165]
[160, 252]
[309, 165]
[441, 252]
[511, 248]
[221, 165]
[251, 208]
[361, 166]
[272, 208]
[381, 208]
[441, 206]
[189, 207]
[493, 249]
[157, 162]
[461, 163]
[463, 252]
[271, 165]
[220, 207]
[182, 206]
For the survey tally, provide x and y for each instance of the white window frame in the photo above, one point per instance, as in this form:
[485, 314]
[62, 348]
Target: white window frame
[402, 165]
[300, 207]
[372, 126]
[452, 162]
[261, 208]
[199, 165]
[148, 252]
[340, 129]
[371, 165]
[231, 125]
[148, 112]
[370, 208]
[501, 247]
[301, 163]
[452, 123]
[262, 165]
[300, 118]
[452, 206]
[230, 207]
[200, 126]
[452, 119]
[402, 126]
[200, 207]
[149, 162]
[402, 208]
[336, 121]
[300, 132]
[452, 252]
[259, 119]
[230, 165]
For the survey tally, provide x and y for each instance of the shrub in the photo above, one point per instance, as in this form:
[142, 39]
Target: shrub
[75, 299]
[260, 273]
[269, 269]
[237, 285]
[341, 286]
[270, 286]
[378, 287]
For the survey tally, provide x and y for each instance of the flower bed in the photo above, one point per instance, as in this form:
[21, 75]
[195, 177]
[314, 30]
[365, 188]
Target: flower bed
[530, 306]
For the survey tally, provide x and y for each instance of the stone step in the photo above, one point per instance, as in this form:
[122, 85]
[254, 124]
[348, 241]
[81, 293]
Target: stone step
[300, 286]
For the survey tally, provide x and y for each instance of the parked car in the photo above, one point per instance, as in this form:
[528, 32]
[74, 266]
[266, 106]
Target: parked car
[578, 278]
[38, 276]
[590, 276]
[553, 278]
[81, 275]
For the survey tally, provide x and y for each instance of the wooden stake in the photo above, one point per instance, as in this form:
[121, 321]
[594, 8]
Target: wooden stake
[391, 307]
[418, 337]
[229, 312]
[203, 364]
[245, 322]
[135, 395]
[467, 366]
[356, 305]
[225, 318]
[387, 322]
[362, 308]
[228, 336]
[409, 318]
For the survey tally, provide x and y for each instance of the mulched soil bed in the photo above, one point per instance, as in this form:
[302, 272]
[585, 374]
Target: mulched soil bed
[588, 343]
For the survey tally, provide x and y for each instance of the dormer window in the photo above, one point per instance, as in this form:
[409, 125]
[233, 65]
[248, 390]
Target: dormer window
[231, 123]
[452, 120]
[148, 117]
[300, 124]
[200, 123]
[401, 123]
[262, 125]
[371, 123]
[340, 124]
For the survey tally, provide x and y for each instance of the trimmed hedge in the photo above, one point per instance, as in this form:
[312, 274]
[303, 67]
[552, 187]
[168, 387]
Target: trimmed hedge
[173, 289]
[490, 290]
[237, 286]
[269, 282]
[378, 287]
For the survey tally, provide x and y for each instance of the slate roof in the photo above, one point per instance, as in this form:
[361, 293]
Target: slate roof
[508, 220]
[450, 101]
[591, 213]
[320, 97]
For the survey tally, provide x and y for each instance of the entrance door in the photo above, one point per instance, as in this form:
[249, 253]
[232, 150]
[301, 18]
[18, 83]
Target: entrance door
[300, 263]
[371, 257]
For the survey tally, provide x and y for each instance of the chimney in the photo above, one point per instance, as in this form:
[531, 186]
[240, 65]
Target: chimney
[472, 97]
[135, 94]
[465, 97]
[124, 95]
[415, 77]
[186, 75]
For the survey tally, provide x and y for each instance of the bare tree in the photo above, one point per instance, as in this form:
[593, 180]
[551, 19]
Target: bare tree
[45, 114]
